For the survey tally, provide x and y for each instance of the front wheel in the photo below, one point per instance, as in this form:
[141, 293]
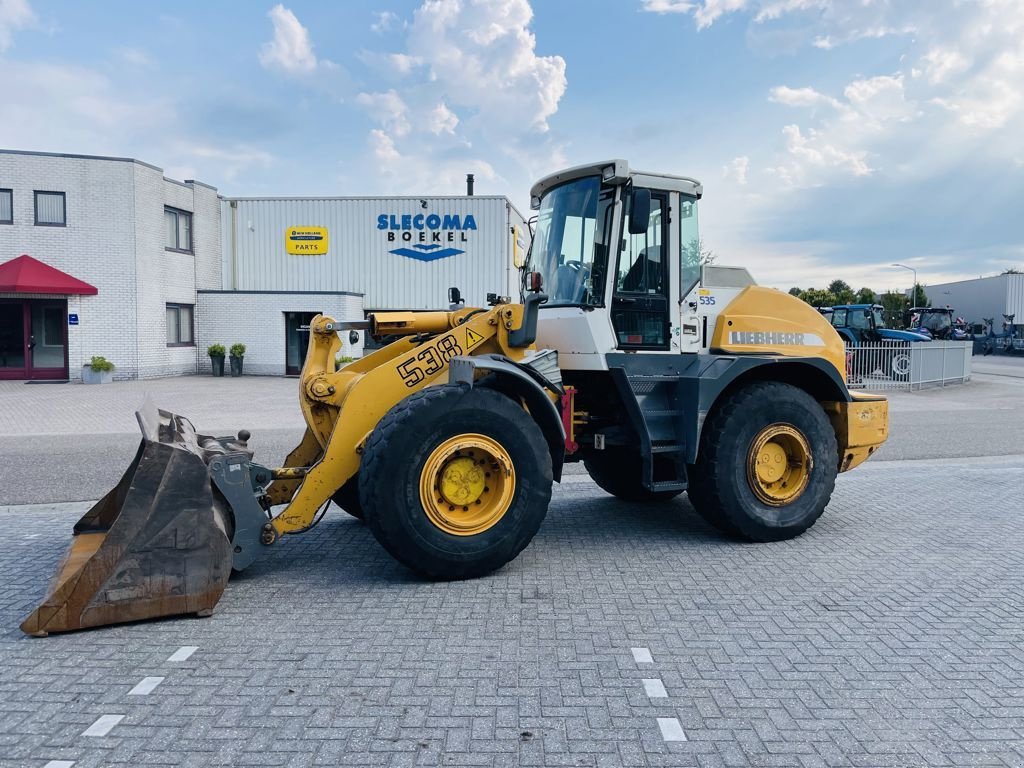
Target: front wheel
[455, 481]
[767, 465]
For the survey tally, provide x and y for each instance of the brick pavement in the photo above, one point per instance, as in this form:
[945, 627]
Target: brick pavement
[890, 635]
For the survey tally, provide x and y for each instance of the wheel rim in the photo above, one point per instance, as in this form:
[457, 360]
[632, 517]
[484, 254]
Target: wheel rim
[901, 365]
[779, 464]
[467, 484]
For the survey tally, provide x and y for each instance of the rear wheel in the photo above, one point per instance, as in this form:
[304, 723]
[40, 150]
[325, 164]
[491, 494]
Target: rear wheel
[347, 497]
[619, 471]
[455, 481]
[767, 464]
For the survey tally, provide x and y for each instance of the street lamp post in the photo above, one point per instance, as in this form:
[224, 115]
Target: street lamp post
[913, 293]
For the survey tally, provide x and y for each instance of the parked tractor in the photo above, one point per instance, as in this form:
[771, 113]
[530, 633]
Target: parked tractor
[660, 375]
[862, 328]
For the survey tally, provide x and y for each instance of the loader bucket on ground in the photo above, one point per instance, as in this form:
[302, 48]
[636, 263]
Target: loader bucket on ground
[158, 544]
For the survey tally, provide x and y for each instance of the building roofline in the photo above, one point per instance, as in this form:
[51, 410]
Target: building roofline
[277, 293]
[281, 198]
[74, 156]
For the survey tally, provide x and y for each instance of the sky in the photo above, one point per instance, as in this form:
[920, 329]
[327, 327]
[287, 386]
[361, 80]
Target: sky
[833, 137]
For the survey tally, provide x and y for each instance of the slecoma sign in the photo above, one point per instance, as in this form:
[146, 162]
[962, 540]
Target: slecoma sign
[426, 233]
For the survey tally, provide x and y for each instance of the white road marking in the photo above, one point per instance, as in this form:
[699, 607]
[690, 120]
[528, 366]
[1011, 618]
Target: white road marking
[671, 730]
[183, 653]
[654, 688]
[642, 656]
[103, 726]
[59, 764]
[145, 687]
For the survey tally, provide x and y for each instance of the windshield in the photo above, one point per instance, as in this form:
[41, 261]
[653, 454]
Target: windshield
[936, 321]
[569, 247]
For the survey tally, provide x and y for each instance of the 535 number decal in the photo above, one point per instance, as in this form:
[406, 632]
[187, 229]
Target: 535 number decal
[429, 361]
[707, 300]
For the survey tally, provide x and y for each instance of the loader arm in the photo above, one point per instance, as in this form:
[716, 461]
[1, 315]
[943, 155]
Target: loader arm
[341, 408]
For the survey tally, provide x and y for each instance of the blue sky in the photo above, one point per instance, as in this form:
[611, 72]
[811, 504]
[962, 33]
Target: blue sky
[834, 137]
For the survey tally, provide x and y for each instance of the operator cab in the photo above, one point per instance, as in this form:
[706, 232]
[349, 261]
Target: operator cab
[623, 241]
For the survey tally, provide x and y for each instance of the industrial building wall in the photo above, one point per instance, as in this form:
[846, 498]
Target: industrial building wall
[257, 319]
[363, 234]
[95, 245]
[165, 276]
[977, 299]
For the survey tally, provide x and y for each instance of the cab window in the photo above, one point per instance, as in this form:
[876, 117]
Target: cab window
[640, 313]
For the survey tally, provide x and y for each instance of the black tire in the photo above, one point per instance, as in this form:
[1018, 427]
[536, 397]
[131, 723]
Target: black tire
[394, 459]
[347, 497]
[719, 485]
[618, 471]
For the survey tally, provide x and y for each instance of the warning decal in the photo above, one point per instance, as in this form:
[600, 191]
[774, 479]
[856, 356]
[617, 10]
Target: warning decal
[472, 338]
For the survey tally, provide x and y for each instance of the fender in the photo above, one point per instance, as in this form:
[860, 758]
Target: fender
[703, 378]
[520, 382]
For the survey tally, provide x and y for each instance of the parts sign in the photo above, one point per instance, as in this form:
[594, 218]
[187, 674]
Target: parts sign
[305, 241]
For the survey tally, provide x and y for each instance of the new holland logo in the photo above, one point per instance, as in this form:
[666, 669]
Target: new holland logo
[428, 235]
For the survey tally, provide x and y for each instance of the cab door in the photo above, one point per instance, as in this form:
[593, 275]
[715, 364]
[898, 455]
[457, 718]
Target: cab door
[640, 300]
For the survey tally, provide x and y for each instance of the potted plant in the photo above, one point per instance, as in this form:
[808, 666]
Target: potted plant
[216, 353]
[341, 361]
[98, 370]
[237, 353]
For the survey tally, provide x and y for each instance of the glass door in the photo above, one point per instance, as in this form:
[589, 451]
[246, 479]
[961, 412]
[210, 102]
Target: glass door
[296, 340]
[12, 340]
[47, 340]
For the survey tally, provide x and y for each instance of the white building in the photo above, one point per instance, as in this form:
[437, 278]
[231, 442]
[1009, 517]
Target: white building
[984, 297]
[141, 243]
[105, 256]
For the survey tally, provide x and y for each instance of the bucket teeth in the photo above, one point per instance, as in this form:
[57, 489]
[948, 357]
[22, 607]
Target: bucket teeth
[158, 544]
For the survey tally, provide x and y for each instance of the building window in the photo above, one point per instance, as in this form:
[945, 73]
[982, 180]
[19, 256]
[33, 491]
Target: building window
[179, 325]
[178, 225]
[6, 206]
[50, 209]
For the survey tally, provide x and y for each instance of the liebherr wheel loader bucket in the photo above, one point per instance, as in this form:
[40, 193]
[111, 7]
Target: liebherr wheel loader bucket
[158, 544]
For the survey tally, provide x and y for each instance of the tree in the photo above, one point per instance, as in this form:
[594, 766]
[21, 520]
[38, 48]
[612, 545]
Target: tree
[818, 297]
[794, 291]
[894, 306]
[842, 291]
[1011, 271]
[865, 296]
[919, 298]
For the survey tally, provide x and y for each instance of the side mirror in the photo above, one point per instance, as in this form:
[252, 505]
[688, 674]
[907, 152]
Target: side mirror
[639, 211]
[454, 296]
[867, 313]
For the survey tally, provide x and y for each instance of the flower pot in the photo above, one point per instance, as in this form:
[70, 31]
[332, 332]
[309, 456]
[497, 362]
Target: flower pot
[89, 376]
[236, 365]
[217, 361]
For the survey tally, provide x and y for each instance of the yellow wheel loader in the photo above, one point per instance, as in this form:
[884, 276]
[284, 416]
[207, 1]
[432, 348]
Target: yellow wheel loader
[660, 374]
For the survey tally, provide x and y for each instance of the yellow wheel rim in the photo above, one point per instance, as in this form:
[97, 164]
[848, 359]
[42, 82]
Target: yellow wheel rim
[467, 484]
[779, 464]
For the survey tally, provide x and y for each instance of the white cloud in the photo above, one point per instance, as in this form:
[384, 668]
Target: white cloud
[291, 50]
[14, 15]
[484, 54]
[668, 6]
[442, 120]
[815, 152]
[942, 63]
[737, 169]
[386, 21]
[388, 109]
[800, 97]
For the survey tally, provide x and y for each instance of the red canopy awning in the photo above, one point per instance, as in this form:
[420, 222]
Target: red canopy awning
[27, 275]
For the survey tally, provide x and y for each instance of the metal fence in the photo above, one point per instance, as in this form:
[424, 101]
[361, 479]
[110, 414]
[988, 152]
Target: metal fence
[908, 364]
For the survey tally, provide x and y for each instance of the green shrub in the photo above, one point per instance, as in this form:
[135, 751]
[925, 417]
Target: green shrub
[215, 350]
[100, 364]
[342, 360]
[238, 350]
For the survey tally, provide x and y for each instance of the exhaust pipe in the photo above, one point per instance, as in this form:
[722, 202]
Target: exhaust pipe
[469, 184]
